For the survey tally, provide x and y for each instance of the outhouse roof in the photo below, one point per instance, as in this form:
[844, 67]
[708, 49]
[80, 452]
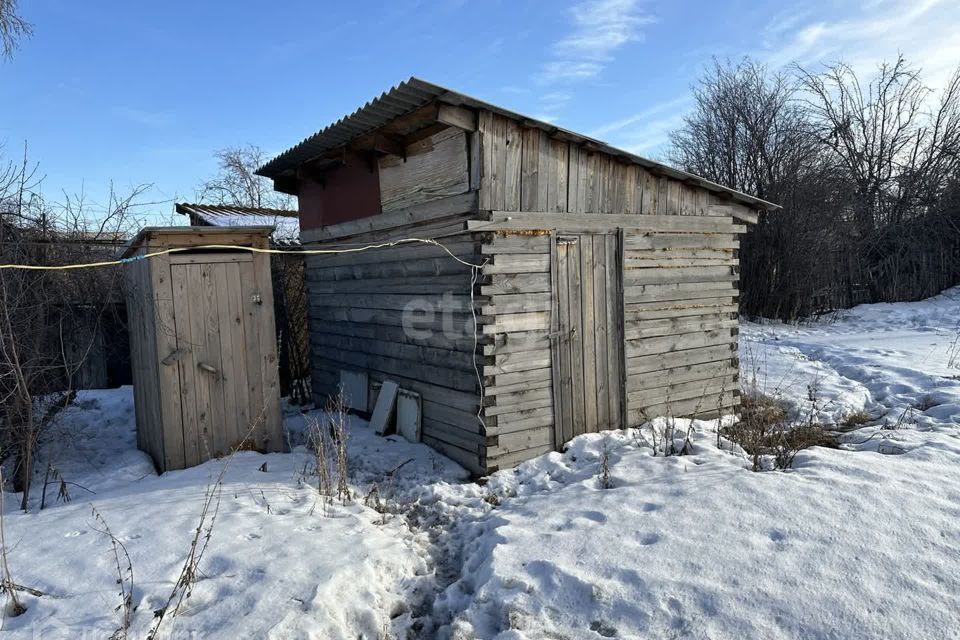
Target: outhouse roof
[170, 237]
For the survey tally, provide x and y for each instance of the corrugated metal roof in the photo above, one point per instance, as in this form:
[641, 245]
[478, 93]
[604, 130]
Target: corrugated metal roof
[286, 223]
[415, 93]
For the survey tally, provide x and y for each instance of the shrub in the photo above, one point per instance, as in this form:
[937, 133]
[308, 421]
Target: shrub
[765, 432]
[856, 419]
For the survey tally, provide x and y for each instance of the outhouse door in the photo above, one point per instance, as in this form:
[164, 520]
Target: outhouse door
[587, 334]
[221, 317]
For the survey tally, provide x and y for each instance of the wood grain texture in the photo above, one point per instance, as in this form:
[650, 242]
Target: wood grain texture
[190, 353]
[433, 168]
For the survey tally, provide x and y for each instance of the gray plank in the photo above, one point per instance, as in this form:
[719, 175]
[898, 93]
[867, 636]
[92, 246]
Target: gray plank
[576, 342]
[589, 324]
[601, 301]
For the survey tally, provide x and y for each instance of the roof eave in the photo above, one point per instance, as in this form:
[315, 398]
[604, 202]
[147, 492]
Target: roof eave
[416, 93]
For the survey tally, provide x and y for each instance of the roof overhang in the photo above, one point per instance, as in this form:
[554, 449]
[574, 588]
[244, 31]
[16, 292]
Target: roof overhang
[416, 105]
[196, 237]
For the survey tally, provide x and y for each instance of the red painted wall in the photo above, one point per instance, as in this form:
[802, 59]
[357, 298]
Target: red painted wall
[349, 192]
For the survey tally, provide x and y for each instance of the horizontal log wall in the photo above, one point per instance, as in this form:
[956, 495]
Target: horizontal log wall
[517, 307]
[679, 312]
[680, 324]
[403, 313]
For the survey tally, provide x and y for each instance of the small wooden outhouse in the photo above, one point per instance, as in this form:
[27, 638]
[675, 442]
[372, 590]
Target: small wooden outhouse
[607, 293]
[203, 344]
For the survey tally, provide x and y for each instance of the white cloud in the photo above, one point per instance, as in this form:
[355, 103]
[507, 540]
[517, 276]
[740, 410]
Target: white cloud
[863, 35]
[600, 28]
[563, 70]
[643, 118]
[923, 30]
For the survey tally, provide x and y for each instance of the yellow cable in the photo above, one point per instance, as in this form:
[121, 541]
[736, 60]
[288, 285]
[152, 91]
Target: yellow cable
[147, 256]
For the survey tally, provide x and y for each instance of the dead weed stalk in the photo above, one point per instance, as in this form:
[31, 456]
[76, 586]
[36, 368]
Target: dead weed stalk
[124, 568]
[190, 571]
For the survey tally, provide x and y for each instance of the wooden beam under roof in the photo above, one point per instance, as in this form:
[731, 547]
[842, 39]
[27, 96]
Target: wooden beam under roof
[459, 117]
[391, 139]
[381, 142]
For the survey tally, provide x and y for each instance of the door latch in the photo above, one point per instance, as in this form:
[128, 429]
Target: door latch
[567, 335]
[209, 368]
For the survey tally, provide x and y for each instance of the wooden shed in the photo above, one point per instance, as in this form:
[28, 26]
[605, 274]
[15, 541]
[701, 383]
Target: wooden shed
[203, 344]
[607, 295]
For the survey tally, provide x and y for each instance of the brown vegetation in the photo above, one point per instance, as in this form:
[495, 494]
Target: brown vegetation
[868, 174]
[764, 431]
[49, 320]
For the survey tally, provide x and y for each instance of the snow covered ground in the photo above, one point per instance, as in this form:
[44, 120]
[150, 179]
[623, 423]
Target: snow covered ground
[899, 363]
[856, 542]
[279, 563]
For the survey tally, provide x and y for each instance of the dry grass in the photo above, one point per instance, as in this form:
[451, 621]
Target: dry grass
[14, 606]
[603, 476]
[766, 434]
[856, 419]
[762, 411]
[124, 567]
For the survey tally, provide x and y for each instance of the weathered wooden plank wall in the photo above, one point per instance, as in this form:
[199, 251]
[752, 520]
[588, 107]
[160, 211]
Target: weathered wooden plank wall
[144, 361]
[432, 168]
[679, 319]
[519, 412]
[403, 313]
[524, 169]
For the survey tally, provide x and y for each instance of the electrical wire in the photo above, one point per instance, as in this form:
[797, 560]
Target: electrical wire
[163, 252]
[474, 274]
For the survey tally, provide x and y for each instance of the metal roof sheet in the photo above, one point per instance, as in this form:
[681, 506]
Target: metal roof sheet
[415, 93]
[286, 223]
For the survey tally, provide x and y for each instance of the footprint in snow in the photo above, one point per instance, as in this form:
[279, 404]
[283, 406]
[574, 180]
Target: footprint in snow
[603, 629]
[594, 516]
[649, 539]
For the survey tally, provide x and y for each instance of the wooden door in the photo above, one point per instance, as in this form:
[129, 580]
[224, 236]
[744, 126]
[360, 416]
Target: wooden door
[587, 335]
[221, 317]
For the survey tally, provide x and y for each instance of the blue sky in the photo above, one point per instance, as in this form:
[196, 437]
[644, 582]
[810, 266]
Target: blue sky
[145, 92]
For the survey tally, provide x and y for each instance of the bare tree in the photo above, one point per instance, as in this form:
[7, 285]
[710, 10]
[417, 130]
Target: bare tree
[864, 174]
[745, 130]
[237, 183]
[13, 28]
[898, 146]
[49, 320]
[897, 151]
[748, 131]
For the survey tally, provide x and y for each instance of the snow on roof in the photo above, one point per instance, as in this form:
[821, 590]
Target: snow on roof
[286, 223]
